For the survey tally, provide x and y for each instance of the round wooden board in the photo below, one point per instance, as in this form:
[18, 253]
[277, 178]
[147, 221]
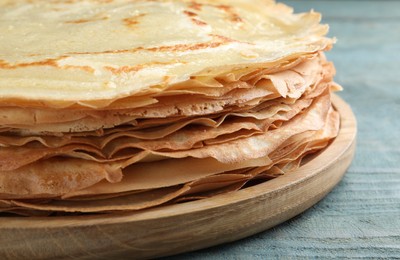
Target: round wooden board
[184, 227]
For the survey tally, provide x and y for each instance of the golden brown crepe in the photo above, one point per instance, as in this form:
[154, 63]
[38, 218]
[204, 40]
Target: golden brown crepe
[124, 105]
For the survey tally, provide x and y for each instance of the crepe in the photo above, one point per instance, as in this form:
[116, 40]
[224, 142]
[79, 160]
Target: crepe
[125, 105]
[90, 68]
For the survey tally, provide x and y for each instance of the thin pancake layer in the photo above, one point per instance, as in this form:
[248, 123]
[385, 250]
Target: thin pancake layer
[232, 93]
[89, 68]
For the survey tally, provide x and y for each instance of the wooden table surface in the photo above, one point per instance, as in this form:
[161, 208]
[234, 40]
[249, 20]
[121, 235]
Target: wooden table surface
[360, 218]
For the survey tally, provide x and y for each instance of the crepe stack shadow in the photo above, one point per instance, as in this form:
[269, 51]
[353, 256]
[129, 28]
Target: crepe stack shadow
[123, 106]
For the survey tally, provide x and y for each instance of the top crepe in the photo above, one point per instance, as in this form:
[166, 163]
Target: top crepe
[92, 53]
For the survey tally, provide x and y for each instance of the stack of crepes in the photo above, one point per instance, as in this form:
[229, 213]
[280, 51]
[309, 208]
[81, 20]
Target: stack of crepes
[125, 105]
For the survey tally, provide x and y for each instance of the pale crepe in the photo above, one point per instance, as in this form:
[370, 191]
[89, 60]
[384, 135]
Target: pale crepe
[292, 82]
[117, 49]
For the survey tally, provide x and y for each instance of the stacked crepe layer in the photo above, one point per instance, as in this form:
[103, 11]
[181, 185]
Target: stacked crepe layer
[206, 114]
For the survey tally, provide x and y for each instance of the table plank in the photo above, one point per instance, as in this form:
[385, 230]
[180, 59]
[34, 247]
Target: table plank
[360, 218]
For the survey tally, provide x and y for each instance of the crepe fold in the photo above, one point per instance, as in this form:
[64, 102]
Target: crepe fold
[227, 95]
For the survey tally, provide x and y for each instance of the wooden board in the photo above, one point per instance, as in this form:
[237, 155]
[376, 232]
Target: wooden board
[184, 227]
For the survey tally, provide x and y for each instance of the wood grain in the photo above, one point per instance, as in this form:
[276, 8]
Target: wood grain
[188, 226]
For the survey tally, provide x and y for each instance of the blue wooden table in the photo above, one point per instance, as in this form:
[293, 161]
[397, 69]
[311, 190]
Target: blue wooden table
[360, 218]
